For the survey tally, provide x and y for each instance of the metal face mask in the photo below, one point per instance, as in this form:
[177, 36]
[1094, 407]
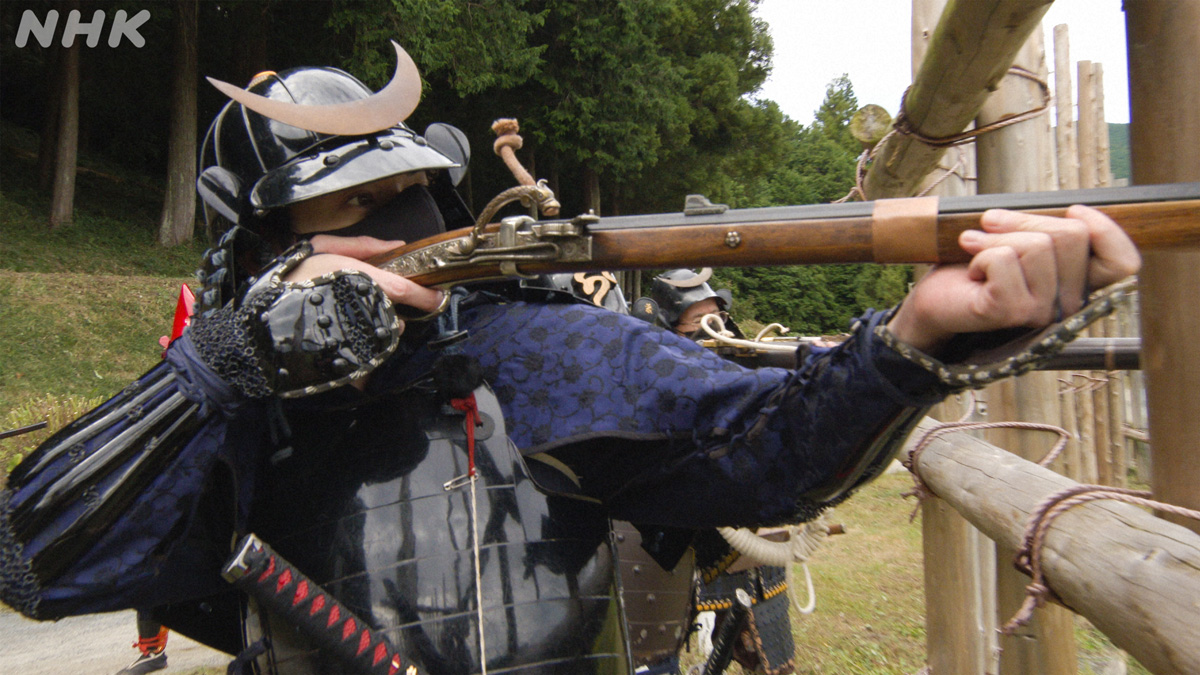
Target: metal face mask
[411, 216]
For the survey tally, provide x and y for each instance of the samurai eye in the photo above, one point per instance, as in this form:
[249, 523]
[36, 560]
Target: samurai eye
[361, 200]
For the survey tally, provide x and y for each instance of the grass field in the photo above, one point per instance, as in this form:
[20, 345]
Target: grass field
[81, 311]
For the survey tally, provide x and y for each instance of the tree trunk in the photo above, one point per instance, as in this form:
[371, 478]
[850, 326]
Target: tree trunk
[48, 144]
[250, 50]
[591, 190]
[178, 220]
[66, 152]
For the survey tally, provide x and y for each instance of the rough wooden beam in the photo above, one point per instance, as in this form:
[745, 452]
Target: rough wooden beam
[970, 51]
[1163, 44]
[1134, 576]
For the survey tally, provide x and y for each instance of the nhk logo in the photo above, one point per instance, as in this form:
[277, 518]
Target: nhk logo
[43, 31]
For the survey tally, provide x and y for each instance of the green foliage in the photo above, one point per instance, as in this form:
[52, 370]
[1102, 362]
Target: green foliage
[1118, 151]
[813, 165]
[477, 45]
[606, 92]
[833, 117]
[653, 98]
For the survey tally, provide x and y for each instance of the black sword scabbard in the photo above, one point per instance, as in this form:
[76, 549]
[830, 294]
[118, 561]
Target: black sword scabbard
[735, 621]
[275, 583]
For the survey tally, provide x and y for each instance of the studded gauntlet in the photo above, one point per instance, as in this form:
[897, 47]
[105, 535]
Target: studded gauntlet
[297, 338]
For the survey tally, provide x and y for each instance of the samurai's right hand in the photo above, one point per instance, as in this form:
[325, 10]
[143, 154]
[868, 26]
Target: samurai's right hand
[350, 253]
[295, 338]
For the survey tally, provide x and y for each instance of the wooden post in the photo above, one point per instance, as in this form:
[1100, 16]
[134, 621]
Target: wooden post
[1087, 126]
[1163, 43]
[1019, 158]
[1103, 163]
[1086, 422]
[1067, 154]
[1064, 110]
[969, 52]
[1116, 414]
[1092, 427]
[1102, 442]
[1069, 462]
[959, 562]
[1148, 569]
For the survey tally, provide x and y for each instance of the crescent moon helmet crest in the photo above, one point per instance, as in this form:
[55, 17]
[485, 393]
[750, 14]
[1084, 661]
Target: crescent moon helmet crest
[308, 131]
[381, 110]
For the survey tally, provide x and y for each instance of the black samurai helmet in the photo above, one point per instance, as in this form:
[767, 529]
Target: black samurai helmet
[309, 131]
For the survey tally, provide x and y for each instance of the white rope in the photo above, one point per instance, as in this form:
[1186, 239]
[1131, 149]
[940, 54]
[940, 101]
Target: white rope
[783, 330]
[728, 338]
[811, 605]
[803, 541]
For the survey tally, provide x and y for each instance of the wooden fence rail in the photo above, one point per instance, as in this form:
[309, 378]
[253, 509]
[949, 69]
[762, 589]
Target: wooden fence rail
[1136, 577]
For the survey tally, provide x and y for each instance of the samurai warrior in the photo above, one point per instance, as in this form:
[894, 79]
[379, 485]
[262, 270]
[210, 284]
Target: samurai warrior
[336, 470]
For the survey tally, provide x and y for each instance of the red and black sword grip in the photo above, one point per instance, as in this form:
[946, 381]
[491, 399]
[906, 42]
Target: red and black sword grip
[259, 571]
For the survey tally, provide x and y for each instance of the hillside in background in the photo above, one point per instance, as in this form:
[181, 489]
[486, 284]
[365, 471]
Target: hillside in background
[1118, 150]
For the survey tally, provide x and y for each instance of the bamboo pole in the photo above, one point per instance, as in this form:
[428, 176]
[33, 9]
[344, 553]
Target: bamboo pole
[1134, 576]
[1066, 148]
[969, 52]
[1163, 43]
[1019, 158]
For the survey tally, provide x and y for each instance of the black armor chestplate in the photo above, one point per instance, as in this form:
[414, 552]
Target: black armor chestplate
[359, 504]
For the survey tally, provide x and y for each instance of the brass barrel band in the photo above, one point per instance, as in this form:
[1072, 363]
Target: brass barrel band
[905, 230]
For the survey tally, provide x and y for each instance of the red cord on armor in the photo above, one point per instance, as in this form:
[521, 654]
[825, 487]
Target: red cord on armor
[468, 406]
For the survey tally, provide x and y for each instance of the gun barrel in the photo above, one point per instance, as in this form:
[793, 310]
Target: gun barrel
[1155, 217]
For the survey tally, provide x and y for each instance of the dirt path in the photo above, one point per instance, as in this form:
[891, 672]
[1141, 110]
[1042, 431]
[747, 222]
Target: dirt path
[96, 644]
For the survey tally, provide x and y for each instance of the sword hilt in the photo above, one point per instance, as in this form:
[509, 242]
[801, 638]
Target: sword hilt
[275, 583]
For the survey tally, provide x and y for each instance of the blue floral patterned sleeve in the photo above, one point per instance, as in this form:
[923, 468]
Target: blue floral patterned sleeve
[666, 432]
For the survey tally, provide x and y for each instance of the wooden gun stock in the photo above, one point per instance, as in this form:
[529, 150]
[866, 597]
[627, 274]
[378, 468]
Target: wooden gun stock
[1155, 217]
